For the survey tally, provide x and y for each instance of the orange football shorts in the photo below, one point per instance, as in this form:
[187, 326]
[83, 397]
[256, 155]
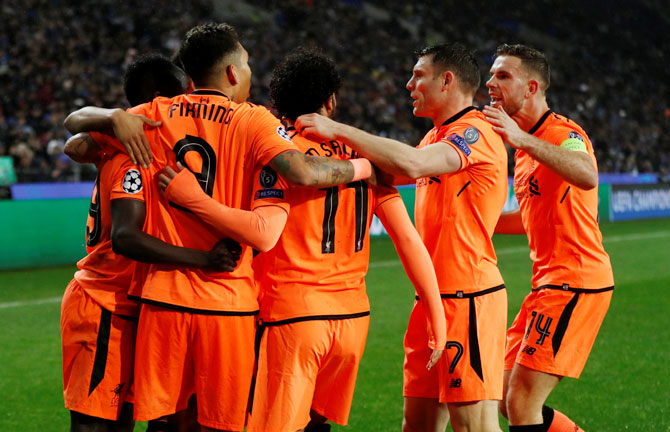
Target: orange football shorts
[181, 353]
[471, 368]
[307, 365]
[555, 330]
[98, 356]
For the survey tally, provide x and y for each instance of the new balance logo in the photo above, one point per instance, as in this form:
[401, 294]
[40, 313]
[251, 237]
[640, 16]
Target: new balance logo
[116, 399]
[533, 186]
[528, 350]
[455, 383]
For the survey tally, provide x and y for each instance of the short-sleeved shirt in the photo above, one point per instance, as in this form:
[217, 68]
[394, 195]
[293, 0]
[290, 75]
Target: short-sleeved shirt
[319, 264]
[104, 275]
[561, 220]
[456, 213]
[226, 145]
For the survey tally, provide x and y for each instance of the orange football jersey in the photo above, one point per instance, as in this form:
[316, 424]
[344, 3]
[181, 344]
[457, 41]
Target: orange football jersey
[318, 267]
[104, 275]
[561, 220]
[456, 213]
[225, 144]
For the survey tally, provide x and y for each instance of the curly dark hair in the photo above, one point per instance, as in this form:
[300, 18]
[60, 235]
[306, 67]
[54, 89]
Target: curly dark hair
[533, 60]
[204, 46]
[303, 82]
[457, 59]
[149, 74]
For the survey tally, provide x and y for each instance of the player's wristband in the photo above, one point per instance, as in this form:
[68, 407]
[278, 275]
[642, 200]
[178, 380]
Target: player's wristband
[362, 169]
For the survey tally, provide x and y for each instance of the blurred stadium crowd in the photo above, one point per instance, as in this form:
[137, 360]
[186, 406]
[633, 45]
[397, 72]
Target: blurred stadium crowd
[608, 63]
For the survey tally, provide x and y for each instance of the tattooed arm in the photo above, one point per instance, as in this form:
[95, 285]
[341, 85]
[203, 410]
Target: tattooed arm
[316, 171]
[82, 148]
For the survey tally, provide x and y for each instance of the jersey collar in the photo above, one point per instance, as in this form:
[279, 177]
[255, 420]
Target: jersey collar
[539, 122]
[458, 115]
[208, 92]
[292, 129]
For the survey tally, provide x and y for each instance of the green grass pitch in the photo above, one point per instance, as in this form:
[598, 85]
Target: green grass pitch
[625, 386]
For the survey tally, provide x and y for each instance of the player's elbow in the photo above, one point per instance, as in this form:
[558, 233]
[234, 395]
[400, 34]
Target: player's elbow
[71, 124]
[264, 246]
[265, 243]
[412, 168]
[591, 182]
[587, 181]
[77, 149]
[123, 241]
[70, 148]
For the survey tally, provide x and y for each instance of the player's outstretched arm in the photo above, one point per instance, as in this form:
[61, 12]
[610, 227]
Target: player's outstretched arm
[390, 155]
[129, 240]
[128, 129]
[82, 148]
[419, 268]
[259, 228]
[510, 223]
[575, 167]
[316, 171]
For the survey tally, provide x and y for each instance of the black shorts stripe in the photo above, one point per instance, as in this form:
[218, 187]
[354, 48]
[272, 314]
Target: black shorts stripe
[461, 294]
[473, 341]
[101, 349]
[567, 287]
[563, 322]
[257, 352]
[262, 323]
[128, 318]
[193, 310]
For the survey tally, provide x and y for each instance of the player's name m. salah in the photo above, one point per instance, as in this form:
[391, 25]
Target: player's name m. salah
[332, 148]
[206, 111]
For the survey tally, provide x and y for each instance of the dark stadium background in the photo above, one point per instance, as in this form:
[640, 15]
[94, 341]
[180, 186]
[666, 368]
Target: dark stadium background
[609, 63]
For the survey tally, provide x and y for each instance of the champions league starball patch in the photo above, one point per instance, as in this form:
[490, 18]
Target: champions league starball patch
[132, 181]
[282, 133]
[471, 135]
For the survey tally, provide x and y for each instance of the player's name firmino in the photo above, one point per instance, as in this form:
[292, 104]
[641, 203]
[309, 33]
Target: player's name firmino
[206, 111]
[331, 148]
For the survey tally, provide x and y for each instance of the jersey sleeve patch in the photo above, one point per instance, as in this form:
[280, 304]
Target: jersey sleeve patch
[471, 135]
[461, 143]
[132, 181]
[575, 144]
[282, 133]
[268, 179]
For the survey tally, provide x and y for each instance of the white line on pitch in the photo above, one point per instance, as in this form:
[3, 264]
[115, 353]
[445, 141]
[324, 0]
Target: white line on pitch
[30, 302]
[628, 237]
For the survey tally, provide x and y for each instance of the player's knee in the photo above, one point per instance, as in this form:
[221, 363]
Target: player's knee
[84, 423]
[480, 416]
[412, 424]
[321, 427]
[519, 402]
[317, 423]
[161, 426]
[422, 423]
